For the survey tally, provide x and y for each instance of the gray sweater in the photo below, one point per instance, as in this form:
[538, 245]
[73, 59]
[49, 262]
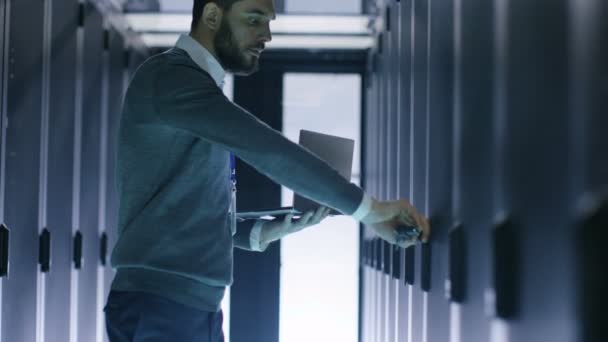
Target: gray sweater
[177, 130]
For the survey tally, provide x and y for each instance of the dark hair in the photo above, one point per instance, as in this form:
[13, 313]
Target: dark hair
[199, 6]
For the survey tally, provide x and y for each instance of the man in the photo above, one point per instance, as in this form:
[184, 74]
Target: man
[176, 229]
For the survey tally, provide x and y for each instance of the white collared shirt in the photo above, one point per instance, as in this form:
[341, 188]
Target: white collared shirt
[203, 58]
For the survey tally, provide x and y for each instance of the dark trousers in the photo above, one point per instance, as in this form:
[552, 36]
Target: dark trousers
[139, 317]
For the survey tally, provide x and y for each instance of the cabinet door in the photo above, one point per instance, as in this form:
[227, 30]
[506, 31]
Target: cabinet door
[60, 167]
[89, 307]
[439, 171]
[589, 143]
[418, 136]
[116, 93]
[474, 201]
[537, 129]
[403, 143]
[22, 144]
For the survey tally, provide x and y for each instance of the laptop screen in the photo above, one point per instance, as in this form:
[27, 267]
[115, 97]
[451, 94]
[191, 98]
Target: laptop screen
[336, 151]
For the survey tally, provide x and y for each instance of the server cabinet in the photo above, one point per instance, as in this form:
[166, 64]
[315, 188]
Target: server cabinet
[380, 188]
[369, 182]
[88, 307]
[588, 143]
[394, 17]
[404, 144]
[62, 92]
[418, 132]
[394, 28]
[4, 232]
[390, 160]
[538, 194]
[378, 284]
[2, 70]
[439, 195]
[475, 210]
[117, 71]
[22, 143]
[515, 143]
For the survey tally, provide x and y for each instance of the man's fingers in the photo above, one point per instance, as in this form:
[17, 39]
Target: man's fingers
[306, 218]
[413, 217]
[325, 213]
[423, 224]
[288, 218]
[318, 215]
[426, 232]
[406, 244]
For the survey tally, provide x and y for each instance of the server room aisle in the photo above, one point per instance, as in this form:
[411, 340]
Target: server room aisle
[489, 116]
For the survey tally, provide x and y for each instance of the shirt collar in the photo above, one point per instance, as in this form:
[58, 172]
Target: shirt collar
[202, 57]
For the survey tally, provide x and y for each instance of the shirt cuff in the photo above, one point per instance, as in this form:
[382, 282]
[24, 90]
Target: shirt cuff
[364, 208]
[256, 233]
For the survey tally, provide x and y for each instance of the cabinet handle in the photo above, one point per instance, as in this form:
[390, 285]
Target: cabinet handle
[4, 245]
[425, 270]
[455, 290]
[410, 265]
[103, 248]
[397, 262]
[77, 257]
[387, 250]
[378, 245]
[506, 270]
[591, 236]
[44, 251]
[82, 13]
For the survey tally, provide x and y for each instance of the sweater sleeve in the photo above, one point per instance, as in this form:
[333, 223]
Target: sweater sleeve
[248, 235]
[187, 98]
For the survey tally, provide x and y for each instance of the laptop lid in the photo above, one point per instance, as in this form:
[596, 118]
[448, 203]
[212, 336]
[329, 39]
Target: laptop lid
[336, 151]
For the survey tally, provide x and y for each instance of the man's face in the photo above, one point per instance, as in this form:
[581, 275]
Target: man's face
[243, 34]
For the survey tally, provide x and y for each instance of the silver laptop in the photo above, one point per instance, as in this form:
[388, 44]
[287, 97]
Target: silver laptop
[336, 151]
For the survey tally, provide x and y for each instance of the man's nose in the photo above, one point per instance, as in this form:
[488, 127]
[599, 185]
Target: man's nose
[266, 35]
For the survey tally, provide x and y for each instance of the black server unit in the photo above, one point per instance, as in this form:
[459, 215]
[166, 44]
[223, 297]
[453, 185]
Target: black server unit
[22, 161]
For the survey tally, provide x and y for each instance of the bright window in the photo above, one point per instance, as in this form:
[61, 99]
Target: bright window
[323, 6]
[319, 266]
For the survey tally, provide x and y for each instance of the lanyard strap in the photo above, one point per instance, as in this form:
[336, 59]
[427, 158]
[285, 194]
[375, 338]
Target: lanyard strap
[233, 168]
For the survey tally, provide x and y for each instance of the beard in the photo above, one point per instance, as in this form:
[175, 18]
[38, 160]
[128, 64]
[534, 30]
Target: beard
[232, 58]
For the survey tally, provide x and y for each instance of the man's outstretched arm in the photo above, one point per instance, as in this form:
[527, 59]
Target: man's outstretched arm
[188, 99]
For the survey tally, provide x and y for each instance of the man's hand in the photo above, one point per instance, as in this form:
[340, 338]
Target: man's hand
[385, 217]
[278, 229]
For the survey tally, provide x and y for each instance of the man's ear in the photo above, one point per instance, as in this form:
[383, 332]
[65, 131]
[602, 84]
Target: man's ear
[212, 16]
